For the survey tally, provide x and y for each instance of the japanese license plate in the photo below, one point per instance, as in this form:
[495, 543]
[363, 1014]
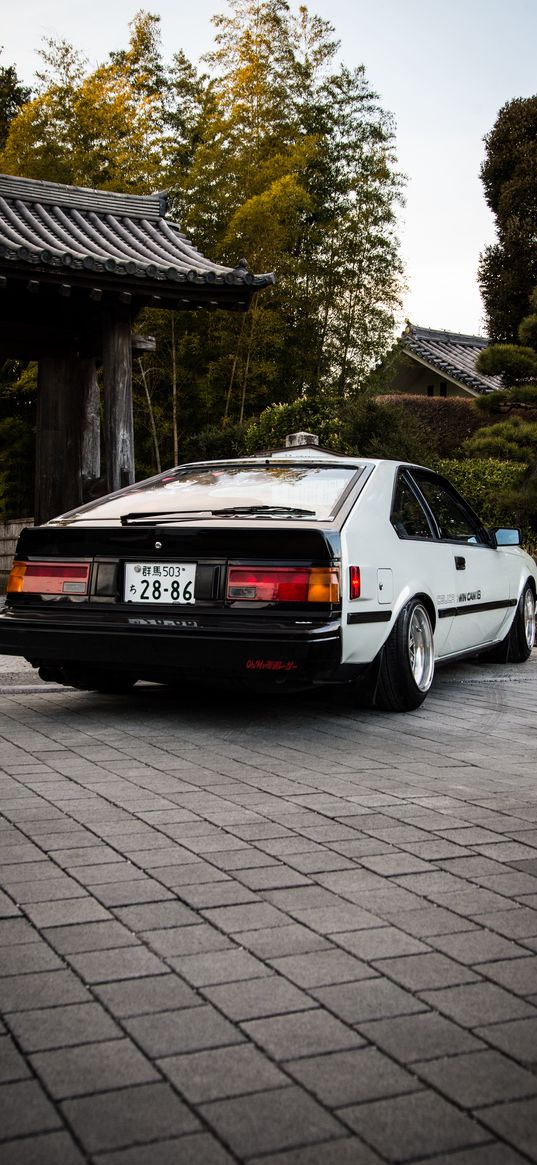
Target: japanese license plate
[159, 582]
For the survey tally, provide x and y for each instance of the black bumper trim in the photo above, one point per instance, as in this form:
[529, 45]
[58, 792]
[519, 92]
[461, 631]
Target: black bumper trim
[221, 651]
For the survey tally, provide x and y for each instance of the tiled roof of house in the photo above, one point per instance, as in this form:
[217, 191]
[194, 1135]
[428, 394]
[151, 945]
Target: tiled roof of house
[452, 354]
[73, 228]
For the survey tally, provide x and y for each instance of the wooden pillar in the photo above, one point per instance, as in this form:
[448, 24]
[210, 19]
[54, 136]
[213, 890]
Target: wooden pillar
[91, 426]
[67, 434]
[117, 372]
[58, 477]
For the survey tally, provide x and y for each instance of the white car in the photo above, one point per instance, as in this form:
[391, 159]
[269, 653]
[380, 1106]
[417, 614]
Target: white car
[296, 567]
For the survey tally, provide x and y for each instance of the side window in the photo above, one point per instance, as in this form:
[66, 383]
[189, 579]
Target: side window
[455, 521]
[408, 516]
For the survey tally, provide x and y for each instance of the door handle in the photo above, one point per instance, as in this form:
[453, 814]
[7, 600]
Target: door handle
[460, 563]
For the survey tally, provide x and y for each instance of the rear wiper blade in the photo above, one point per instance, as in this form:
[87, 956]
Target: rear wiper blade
[156, 517]
[291, 511]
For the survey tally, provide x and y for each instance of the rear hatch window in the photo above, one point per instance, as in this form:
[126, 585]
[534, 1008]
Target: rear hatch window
[294, 492]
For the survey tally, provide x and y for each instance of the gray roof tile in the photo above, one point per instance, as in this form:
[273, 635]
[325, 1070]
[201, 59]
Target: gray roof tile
[70, 227]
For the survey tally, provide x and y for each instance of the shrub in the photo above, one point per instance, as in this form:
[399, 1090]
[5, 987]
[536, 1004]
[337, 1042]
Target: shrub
[365, 425]
[445, 422]
[16, 468]
[510, 440]
[511, 361]
[214, 443]
[271, 428]
[527, 332]
[372, 428]
[488, 485]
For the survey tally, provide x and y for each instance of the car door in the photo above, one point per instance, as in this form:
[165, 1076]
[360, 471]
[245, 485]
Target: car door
[482, 586]
[424, 563]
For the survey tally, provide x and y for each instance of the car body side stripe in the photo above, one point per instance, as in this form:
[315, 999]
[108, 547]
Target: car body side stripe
[468, 608]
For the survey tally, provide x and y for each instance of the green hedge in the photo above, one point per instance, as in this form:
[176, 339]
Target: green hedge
[269, 430]
[218, 442]
[446, 421]
[486, 483]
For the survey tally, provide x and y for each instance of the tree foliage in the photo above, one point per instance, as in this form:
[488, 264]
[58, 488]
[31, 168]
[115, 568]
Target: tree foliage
[299, 160]
[116, 128]
[13, 95]
[513, 438]
[508, 268]
[18, 385]
[275, 152]
[360, 424]
[490, 484]
[516, 364]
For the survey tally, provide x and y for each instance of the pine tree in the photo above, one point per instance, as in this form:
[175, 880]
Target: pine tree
[508, 268]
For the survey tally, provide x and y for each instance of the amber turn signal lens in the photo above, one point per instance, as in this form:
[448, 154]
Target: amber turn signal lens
[16, 579]
[323, 585]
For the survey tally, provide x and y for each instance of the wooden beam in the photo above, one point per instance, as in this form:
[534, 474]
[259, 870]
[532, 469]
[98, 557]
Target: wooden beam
[90, 425]
[58, 445]
[117, 372]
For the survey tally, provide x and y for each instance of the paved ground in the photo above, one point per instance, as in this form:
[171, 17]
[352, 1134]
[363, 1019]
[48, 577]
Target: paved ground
[260, 931]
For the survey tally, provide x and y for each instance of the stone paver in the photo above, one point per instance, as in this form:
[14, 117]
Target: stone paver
[290, 932]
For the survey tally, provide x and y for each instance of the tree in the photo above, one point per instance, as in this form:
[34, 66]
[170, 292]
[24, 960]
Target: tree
[116, 128]
[13, 95]
[299, 160]
[508, 268]
[514, 437]
[277, 153]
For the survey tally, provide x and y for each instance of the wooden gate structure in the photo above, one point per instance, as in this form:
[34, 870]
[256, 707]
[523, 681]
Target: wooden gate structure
[76, 267]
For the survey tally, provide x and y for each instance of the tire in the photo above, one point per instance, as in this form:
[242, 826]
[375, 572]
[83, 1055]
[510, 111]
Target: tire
[88, 679]
[517, 645]
[407, 661]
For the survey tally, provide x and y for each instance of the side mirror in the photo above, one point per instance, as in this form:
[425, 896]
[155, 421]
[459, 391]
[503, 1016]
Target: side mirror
[507, 537]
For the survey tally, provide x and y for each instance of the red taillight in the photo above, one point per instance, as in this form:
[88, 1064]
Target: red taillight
[283, 584]
[354, 582]
[49, 578]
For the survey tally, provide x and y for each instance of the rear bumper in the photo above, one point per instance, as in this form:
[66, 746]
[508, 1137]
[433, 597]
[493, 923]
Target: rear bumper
[163, 648]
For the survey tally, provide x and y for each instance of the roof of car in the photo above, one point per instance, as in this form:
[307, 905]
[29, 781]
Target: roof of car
[312, 455]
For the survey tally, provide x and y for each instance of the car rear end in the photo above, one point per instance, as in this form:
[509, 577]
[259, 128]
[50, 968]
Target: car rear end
[169, 602]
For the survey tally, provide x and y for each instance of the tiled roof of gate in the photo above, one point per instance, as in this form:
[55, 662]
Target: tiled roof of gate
[452, 354]
[71, 227]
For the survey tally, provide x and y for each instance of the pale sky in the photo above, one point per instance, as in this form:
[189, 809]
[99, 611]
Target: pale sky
[443, 69]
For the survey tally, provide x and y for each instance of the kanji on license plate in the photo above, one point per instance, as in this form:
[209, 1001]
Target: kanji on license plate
[159, 582]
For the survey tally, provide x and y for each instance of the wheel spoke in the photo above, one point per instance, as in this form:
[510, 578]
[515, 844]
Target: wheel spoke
[529, 617]
[421, 648]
